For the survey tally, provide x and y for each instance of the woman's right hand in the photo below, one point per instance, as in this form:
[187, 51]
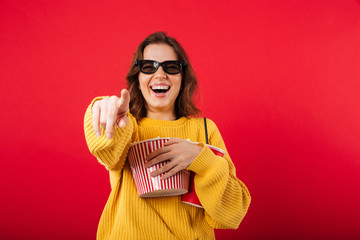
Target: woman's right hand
[109, 112]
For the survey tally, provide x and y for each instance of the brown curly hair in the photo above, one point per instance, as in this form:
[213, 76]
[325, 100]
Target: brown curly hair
[184, 104]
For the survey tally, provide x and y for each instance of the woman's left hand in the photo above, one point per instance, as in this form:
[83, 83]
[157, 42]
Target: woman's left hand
[181, 154]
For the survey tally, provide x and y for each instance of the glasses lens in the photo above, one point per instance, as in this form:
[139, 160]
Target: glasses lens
[148, 66]
[172, 67]
[151, 66]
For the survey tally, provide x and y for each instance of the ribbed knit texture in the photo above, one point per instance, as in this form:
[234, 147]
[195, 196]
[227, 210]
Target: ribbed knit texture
[127, 216]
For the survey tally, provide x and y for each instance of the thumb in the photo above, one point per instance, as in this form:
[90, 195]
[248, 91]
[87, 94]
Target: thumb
[122, 121]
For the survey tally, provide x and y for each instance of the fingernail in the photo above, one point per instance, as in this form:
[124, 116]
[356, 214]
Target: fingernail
[97, 134]
[108, 136]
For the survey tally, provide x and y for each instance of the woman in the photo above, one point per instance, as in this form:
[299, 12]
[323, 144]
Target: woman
[161, 85]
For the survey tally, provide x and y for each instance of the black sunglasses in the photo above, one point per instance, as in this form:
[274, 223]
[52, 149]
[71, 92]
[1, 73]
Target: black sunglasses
[151, 66]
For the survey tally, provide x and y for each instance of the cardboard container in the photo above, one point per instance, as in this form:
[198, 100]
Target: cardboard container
[148, 186]
[191, 197]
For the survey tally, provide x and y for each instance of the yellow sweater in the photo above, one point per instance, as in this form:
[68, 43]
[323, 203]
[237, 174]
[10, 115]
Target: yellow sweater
[127, 216]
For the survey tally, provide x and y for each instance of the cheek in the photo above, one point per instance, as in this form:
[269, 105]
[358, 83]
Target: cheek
[143, 81]
[178, 82]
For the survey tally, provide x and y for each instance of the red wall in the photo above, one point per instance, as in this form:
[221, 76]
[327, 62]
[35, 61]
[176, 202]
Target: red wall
[280, 78]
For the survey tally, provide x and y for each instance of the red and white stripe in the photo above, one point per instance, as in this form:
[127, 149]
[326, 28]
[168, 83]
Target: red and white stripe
[146, 184]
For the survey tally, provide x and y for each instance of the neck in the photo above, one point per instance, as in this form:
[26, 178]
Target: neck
[161, 115]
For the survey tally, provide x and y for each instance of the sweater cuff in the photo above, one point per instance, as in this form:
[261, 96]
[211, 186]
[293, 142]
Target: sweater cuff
[107, 151]
[207, 161]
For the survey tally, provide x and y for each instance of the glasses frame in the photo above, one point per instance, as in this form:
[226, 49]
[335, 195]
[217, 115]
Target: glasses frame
[182, 64]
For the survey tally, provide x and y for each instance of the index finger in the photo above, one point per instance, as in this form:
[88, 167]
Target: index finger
[124, 100]
[157, 152]
[96, 116]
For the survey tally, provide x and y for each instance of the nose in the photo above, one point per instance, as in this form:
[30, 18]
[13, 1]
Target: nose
[160, 74]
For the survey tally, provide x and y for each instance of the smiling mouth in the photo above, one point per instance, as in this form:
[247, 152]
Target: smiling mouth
[160, 89]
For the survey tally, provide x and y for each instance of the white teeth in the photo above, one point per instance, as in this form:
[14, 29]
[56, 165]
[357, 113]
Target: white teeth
[160, 87]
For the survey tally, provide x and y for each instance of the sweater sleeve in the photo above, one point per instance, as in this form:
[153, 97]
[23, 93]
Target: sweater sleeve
[224, 197]
[109, 152]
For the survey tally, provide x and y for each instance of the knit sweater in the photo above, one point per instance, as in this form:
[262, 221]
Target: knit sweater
[127, 216]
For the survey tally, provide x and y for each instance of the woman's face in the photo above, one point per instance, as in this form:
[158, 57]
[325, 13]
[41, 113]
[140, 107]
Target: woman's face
[160, 101]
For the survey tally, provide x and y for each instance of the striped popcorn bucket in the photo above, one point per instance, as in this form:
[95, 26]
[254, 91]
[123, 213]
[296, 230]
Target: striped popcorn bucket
[191, 197]
[148, 186]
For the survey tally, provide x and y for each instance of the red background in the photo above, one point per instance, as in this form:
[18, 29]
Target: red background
[280, 78]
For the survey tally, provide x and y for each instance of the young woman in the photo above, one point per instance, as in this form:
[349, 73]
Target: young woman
[158, 103]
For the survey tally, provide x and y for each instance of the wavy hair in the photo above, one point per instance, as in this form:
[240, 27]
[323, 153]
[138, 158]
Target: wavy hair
[184, 104]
